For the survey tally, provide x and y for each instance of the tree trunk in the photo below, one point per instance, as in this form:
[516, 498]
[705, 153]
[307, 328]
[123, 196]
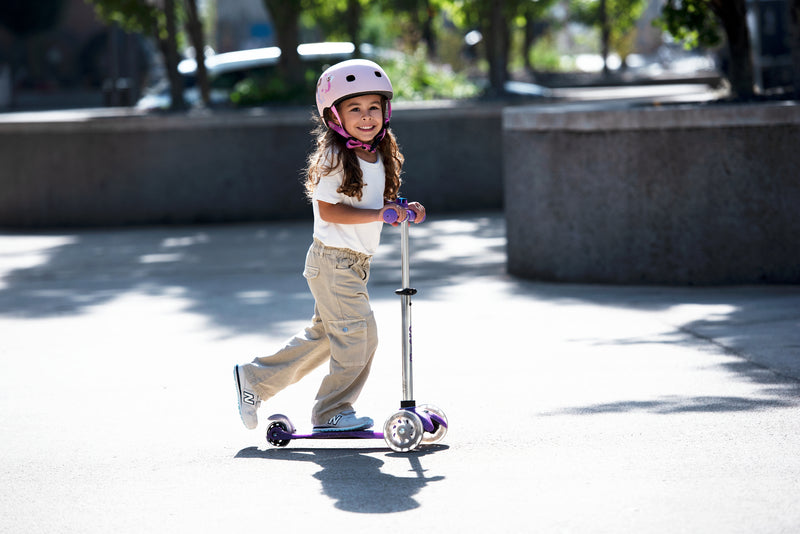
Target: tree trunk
[605, 35]
[286, 16]
[425, 19]
[733, 16]
[353, 22]
[195, 29]
[169, 48]
[497, 43]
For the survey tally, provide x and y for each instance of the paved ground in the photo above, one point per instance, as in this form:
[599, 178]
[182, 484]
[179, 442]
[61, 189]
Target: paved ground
[572, 408]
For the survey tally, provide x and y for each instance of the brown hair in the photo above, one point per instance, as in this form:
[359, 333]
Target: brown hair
[332, 152]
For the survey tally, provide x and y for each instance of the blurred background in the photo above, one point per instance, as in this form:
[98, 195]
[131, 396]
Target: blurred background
[66, 54]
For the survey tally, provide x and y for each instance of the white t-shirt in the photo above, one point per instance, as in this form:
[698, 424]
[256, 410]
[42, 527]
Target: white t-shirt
[364, 237]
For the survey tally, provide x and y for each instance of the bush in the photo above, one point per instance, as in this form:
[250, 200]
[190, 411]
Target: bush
[258, 91]
[413, 78]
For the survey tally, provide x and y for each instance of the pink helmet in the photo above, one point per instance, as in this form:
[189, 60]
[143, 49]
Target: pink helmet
[351, 78]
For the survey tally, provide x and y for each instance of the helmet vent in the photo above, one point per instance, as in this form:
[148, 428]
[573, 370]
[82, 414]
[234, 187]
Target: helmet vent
[378, 74]
[350, 78]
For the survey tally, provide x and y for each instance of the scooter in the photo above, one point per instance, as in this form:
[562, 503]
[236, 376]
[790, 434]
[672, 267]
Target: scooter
[412, 425]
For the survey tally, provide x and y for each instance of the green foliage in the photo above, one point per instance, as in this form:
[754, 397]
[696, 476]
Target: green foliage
[545, 56]
[414, 77]
[691, 22]
[622, 18]
[258, 91]
[130, 15]
[252, 92]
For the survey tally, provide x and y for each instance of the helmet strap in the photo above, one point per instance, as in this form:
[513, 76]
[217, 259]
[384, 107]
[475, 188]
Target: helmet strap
[352, 142]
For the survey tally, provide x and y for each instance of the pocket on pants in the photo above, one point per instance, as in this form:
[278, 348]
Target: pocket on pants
[349, 342]
[348, 264]
[310, 272]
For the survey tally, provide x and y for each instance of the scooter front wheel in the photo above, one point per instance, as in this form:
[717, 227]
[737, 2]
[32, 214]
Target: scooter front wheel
[439, 420]
[403, 431]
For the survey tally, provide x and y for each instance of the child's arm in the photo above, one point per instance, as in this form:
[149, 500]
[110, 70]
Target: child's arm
[344, 214]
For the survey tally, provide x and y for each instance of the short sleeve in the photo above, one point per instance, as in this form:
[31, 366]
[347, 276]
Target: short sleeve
[327, 186]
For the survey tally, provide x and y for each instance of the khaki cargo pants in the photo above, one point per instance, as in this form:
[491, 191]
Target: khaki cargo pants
[342, 331]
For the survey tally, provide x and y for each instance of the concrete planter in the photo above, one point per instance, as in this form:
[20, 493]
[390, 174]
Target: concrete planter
[103, 168]
[659, 195]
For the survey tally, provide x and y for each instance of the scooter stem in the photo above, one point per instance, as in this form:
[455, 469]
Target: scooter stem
[405, 300]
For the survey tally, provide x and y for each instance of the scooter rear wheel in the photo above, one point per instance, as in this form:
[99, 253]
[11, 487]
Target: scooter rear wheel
[403, 431]
[275, 441]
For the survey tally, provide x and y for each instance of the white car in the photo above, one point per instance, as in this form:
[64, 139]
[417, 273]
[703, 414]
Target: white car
[227, 69]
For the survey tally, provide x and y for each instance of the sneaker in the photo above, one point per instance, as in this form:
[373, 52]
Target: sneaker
[345, 422]
[249, 401]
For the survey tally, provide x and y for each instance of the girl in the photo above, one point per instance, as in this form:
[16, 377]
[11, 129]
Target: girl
[351, 177]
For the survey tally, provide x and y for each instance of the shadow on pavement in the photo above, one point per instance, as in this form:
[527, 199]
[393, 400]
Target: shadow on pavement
[246, 279]
[675, 405]
[353, 477]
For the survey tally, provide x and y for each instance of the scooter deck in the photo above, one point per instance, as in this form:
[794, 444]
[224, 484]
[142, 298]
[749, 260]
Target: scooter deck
[341, 434]
[280, 434]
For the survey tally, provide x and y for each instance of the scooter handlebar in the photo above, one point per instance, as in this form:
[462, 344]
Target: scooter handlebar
[390, 216]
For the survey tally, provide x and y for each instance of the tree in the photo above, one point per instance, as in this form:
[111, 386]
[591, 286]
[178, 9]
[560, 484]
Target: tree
[421, 14]
[286, 17]
[494, 18]
[495, 28]
[194, 27]
[616, 20]
[535, 21]
[161, 19]
[698, 22]
[352, 17]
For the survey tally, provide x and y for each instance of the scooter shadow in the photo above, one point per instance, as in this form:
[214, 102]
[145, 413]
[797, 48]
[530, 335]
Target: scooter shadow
[353, 477]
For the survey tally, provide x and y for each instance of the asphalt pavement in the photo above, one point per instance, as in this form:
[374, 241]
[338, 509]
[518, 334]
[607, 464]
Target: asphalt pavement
[572, 408]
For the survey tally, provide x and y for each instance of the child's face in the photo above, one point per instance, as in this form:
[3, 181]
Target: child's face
[362, 116]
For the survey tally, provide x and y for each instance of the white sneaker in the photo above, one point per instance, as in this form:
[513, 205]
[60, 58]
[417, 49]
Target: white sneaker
[345, 422]
[249, 401]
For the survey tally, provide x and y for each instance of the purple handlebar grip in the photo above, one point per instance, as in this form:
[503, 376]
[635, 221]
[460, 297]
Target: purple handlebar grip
[390, 216]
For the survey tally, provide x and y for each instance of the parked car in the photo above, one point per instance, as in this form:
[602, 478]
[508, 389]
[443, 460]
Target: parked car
[227, 69]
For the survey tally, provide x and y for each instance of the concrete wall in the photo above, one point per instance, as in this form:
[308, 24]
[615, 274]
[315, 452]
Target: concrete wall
[73, 169]
[675, 194]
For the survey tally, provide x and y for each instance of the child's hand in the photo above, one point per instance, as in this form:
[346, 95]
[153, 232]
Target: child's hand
[419, 211]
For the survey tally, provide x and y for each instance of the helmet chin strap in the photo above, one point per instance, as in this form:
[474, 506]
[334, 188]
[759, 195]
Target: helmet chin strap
[352, 142]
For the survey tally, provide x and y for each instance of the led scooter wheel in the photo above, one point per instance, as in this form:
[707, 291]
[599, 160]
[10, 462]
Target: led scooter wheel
[274, 441]
[279, 422]
[439, 430]
[403, 431]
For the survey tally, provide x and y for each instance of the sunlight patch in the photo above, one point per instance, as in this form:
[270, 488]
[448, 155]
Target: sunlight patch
[686, 313]
[160, 258]
[172, 242]
[255, 297]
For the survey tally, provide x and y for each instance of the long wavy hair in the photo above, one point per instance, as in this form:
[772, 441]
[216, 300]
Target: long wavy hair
[332, 152]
